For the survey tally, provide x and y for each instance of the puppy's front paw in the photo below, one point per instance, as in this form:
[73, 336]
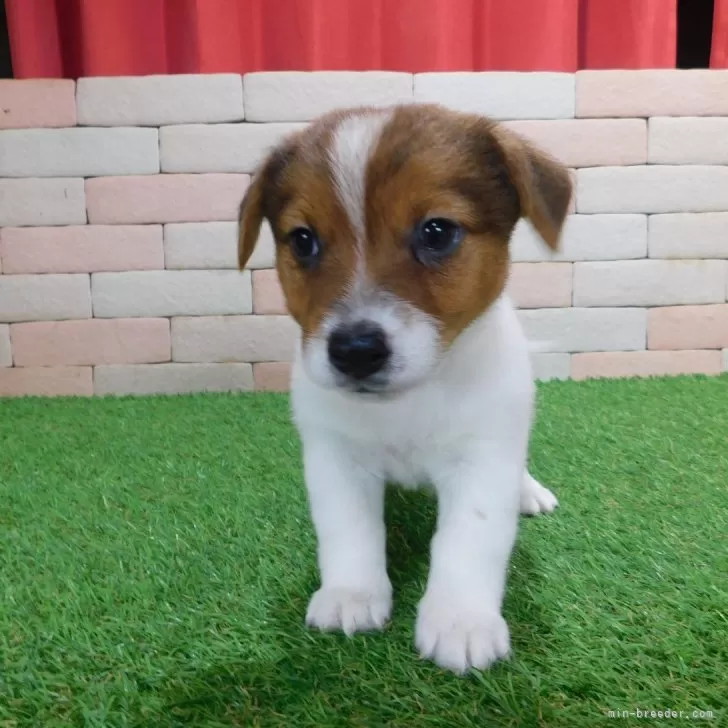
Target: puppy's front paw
[349, 610]
[536, 499]
[459, 638]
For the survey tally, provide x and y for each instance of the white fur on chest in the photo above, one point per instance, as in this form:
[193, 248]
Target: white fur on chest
[484, 382]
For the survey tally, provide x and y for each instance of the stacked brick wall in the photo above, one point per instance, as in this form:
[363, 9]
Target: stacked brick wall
[118, 199]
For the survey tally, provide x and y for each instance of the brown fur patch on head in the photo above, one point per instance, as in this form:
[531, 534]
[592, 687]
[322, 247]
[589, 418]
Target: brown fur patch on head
[427, 162]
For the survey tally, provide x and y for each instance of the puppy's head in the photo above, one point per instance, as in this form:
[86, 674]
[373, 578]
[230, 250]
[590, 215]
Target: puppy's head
[392, 229]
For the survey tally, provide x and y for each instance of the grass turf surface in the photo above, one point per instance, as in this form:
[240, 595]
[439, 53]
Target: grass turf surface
[156, 560]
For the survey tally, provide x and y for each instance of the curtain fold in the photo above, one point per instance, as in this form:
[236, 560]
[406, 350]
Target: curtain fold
[72, 38]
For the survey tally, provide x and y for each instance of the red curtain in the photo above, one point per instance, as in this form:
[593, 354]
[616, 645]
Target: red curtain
[719, 48]
[71, 38]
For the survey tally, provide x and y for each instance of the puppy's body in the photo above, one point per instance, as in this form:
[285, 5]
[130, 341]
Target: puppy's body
[412, 366]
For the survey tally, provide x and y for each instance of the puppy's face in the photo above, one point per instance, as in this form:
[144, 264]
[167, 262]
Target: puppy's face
[392, 230]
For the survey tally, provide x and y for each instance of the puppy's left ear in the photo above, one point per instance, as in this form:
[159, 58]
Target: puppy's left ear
[543, 184]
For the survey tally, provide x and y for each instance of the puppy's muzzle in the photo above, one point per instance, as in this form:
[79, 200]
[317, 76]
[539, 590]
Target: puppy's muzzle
[358, 350]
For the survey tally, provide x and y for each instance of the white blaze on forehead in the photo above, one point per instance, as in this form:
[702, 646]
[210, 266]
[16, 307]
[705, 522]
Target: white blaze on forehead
[354, 141]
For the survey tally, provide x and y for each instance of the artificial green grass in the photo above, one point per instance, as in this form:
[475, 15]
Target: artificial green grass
[156, 559]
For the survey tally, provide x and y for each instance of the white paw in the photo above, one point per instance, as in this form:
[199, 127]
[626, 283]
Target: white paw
[349, 610]
[457, 638]
[535, 498]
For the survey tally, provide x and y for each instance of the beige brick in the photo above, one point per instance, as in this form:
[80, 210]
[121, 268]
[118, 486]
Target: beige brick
[691, 140]
[171, 293]
[6, 356]
[272, 376]
[588, 142]
[91, 341]
[689, 235]
[585, 237]
[653, 189]
[688, 327]
[234, 338]
[644, 363]
[540, 285]
[32, 103]
[158, 100]
[37, 201]
[551, 366]
[652, 93]
[500, 95]
[213, 245]
[172, 378]
[44, 298]
[585, 329]
[219, 147]
[81, 249]
[78, 152]
[302, 96]
[165, 198]
[649, 282]
[267, 293]
[46, 381]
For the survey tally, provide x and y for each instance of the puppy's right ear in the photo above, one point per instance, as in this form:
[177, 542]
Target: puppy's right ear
[260, 199]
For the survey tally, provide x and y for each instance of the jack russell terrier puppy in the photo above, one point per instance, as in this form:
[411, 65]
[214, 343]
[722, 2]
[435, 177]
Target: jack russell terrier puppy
[392, 229]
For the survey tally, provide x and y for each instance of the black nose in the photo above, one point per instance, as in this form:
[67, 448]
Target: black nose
[359, 350]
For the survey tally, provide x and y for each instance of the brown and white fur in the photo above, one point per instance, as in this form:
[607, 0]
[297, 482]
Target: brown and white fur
[438, 389]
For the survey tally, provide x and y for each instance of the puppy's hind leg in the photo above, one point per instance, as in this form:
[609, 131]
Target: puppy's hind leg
[535, 498]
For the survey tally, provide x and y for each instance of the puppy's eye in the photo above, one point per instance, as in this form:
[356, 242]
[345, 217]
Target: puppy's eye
[435, 239]
[305, 246]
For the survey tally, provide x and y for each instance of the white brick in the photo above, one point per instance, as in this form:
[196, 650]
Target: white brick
[691, 140]
[159, 100]
[44, 297]
[501, 95]
[652, 189]
[39, 202]
[90, 152]
[585, 237]
[586, 329]
[172, 378]
[689, 235]
[649, 282]
[652, 92]
[213, 245]
[6, 357]
[171, 293]
[234, 338]
[551, 366]
[219, 147]
[588, 142]
[302, 96]
[725, 360]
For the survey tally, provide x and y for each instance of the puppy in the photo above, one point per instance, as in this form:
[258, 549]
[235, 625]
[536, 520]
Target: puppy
[392, 229]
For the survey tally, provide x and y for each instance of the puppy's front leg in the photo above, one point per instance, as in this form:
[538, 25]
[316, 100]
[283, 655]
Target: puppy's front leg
[347, 507]
[459, 622]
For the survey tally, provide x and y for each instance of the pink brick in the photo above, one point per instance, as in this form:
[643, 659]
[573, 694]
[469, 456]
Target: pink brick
[165, 198]
[540, 285]
[37, 103]
[644, 363]
[267, 293]
[46, 381]
[82, 248]
[272, 376]
[688, 327]
[92, 341]
[652, 93]
[588, 142]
